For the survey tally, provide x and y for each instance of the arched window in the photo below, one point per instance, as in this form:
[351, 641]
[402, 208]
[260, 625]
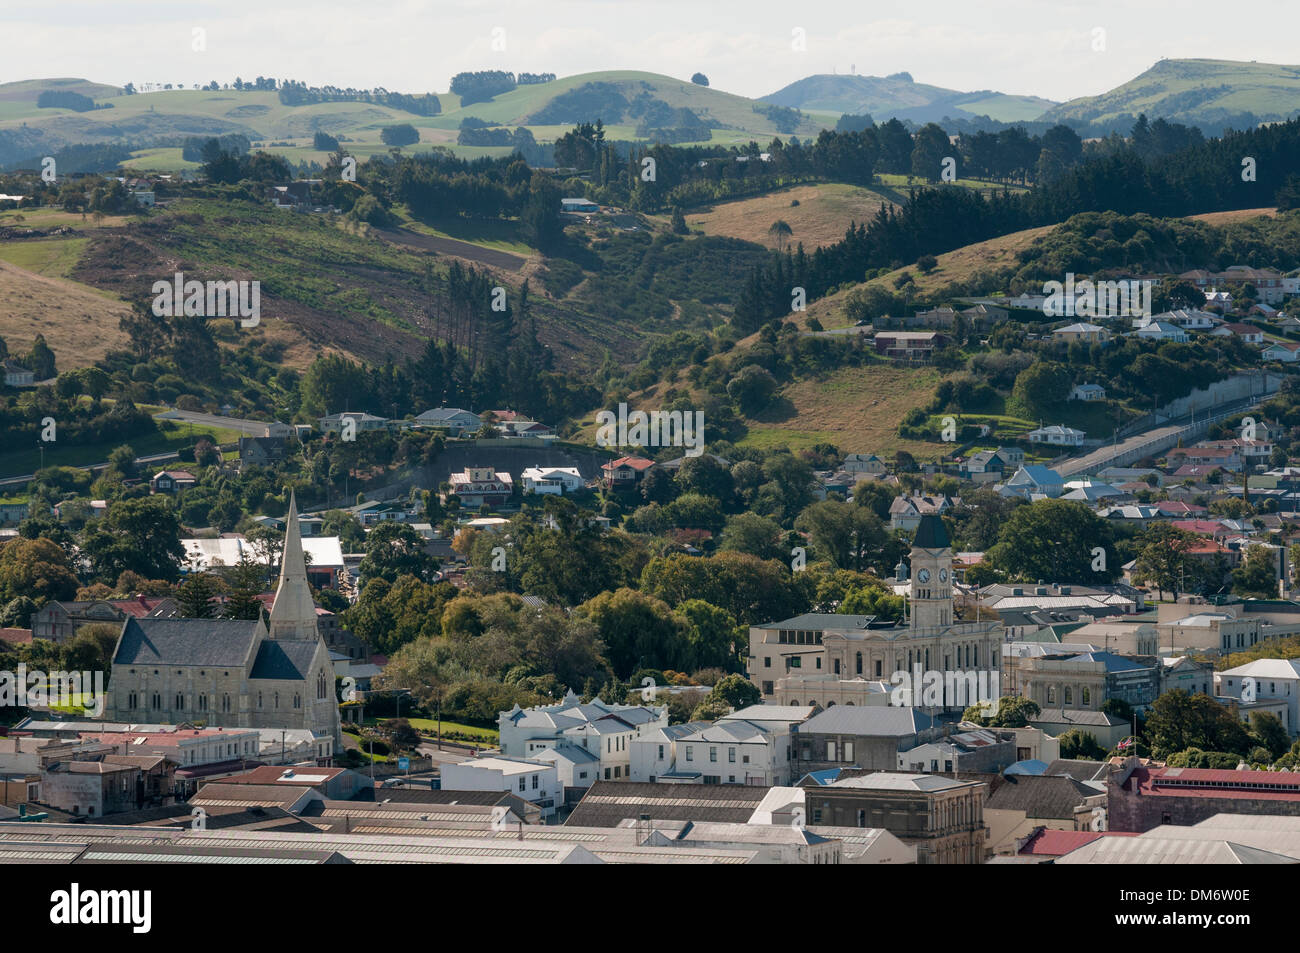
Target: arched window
[858, 664]
[1087, 696]
[225, 702]
[259, 700]
[1051, 694]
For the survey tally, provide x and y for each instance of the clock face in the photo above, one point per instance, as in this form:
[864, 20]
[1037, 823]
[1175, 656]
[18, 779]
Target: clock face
[923, 575]
[943, 575]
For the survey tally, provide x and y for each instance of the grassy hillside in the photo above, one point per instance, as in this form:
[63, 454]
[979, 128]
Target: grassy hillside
[1194, 92]
[822, 215]
[147, 117]
[898, 96]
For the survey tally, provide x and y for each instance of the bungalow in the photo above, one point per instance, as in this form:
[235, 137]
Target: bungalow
[18, 376]
[985, 463]
[1247, 332]
[1284, 351]
[172, 481]
[1162, 331]
[1269, 285]
[1057, 436]
[478, 485]
[625, 471]
[362, 422]
[1190, 320]
[551, 480]
[1225, 457]
[1088, 392]
[455, 421]
[1088, 333]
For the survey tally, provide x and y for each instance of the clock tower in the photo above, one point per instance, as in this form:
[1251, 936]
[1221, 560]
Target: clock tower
[931, 575]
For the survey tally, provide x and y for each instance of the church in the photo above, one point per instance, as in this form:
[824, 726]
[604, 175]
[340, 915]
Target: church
[826, 659]
[274, 672]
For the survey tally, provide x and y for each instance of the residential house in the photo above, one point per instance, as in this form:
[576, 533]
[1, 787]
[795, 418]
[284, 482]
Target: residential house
[625, 471]
[1087, 392]
[59, 622]
[1034, 480]
[906, 511]
[172, 481]
[454, 420]
[360, 422]
[1057, 435]
[864, 463]
[1285, 351]
[1247, 332]
[1082, 331]
[555, 481]
[909, 345]
[15, 375]
[1162, 331]
[1108, 729]
[1264, 680]
[478, 485]
[262, 451]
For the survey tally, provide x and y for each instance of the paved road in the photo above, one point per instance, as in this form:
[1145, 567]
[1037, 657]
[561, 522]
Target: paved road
[457, 249]
[443, 756]
[140, 461]
[1099, 458]
[249, 428]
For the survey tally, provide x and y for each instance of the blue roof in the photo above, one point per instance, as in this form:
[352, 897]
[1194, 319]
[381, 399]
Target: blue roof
[1113, 662]
[1028, 766]
[825, 776]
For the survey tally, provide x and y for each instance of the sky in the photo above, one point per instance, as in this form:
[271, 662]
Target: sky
[1052, 49]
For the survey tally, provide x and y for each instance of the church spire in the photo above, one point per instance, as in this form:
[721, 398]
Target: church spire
[293, 614]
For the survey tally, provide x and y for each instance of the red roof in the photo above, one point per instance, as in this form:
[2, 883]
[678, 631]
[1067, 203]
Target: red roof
[1204, 527]
[1048, 843]
[1178, 506]
[15, 636]
[636, 463]
[139, 607]
[276, 774]
[1215, 782]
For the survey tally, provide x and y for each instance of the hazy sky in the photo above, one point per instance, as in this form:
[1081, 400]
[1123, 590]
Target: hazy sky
[1039, 47]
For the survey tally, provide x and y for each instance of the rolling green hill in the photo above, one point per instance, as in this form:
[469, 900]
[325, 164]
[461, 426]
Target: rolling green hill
[145, 118]
[1207, 93]
[898, 96]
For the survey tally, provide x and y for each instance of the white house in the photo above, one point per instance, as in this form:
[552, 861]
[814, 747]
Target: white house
[575, 767]
[601, 729]
[1284, 351]
[534, 781]
[1268, 679]
[551, 480]
[453, 419]
[1247, 332]
[735, 751]
[652, 755]
[1058, 436]
[1088, 392]
[864, 463]
[361, 422]
[1162, 331]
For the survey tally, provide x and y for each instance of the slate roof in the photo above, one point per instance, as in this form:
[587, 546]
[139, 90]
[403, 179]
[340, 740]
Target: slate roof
[931, 534]
[609, 803]
[213, 642]
[1041, 795]
[284, 659]
[868, 721]
[1080, 770]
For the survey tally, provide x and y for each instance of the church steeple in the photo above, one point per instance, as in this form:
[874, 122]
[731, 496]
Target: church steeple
[293, 614]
